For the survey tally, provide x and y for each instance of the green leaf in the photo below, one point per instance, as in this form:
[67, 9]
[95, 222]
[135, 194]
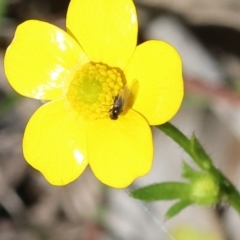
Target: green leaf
[188, 172]
[176, 208]
[162, 191]
[200, 156]
[186, 167]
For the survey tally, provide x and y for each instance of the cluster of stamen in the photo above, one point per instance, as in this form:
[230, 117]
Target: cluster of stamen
[93, 88]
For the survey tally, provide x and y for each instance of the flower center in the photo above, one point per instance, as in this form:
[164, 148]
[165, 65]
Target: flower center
[93, 88]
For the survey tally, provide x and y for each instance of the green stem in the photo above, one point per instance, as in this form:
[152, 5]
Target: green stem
[191, 146]
[228, 191]
[177, 136]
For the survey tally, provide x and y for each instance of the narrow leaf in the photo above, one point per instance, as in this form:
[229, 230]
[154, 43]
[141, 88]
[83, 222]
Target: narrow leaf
[201, 157]
[176, 208]
[162, 191]
[188, 172]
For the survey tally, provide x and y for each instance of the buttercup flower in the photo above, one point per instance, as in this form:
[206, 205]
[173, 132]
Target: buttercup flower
[81, 73]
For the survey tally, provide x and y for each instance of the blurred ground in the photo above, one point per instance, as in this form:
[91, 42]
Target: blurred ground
[207, 35]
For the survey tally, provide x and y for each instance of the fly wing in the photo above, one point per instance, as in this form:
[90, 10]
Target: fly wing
[128, 94]
[134, 91]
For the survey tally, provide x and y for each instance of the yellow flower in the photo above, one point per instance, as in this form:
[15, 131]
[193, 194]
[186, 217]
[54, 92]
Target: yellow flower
[80, 72]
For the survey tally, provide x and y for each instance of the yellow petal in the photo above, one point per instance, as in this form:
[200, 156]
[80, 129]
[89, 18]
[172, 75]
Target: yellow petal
[158, 68]
[106, 29]
[55, 142]
[120, 150]
[41, 60]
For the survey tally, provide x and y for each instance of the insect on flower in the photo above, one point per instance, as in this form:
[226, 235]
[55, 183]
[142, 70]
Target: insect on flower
[124, 99]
